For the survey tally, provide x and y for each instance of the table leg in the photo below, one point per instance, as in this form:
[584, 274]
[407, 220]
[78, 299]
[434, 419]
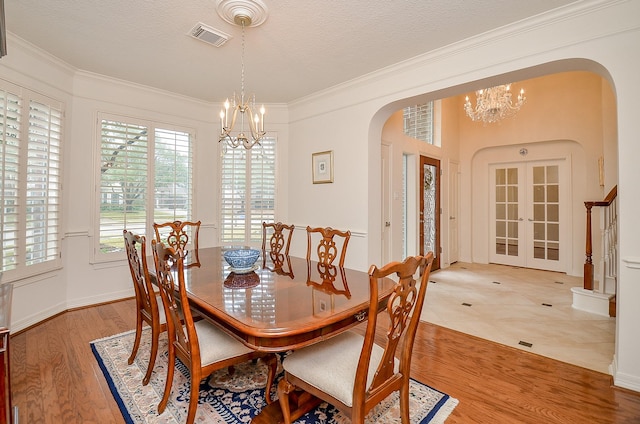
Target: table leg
[301, 402]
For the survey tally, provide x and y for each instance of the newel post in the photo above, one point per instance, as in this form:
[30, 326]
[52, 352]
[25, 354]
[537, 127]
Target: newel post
[588, 263]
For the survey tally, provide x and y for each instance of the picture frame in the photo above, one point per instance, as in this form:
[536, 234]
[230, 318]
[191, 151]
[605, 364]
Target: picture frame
[322, 167]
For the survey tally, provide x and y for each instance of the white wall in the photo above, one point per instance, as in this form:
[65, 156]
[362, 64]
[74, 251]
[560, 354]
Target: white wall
[602, 37]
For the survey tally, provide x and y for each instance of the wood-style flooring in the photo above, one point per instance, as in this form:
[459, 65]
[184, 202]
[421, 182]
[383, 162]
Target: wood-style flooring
[56, 379]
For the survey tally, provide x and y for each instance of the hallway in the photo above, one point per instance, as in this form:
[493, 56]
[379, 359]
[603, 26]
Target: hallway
[517, 306]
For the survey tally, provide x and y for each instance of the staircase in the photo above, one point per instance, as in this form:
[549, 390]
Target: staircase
[601, 299]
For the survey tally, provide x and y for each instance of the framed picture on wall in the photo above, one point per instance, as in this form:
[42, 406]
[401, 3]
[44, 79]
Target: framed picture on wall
[322, 163]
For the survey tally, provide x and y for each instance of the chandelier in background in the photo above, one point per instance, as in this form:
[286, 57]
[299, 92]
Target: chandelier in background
[494, 104]
[241, 111]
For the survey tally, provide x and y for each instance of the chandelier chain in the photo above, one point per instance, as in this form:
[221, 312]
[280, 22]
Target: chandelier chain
[242, 67]
[241, 106]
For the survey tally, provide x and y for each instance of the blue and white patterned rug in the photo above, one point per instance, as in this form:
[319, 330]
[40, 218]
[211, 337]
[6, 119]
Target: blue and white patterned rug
[228, 398]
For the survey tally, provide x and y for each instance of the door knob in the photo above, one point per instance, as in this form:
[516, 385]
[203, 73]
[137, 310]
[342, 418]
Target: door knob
[387, 224]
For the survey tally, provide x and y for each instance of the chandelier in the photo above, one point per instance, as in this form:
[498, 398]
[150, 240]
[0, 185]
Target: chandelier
[241, 111]
[494, 104]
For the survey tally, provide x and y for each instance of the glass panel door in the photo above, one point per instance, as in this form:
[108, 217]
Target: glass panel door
[527, 215]
[545, 217]
[508, 205]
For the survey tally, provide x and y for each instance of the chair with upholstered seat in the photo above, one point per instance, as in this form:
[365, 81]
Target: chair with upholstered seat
[149, 307]
[181, 235]
[201, 346]
[349, 370]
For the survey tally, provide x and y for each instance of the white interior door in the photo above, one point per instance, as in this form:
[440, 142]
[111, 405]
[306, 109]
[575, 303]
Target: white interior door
[528, 216]
[386, 204]
[454, 202]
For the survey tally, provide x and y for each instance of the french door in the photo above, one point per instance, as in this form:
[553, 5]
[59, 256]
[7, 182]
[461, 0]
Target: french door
[528, 215]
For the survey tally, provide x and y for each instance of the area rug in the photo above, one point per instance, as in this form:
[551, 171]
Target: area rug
[226, 398]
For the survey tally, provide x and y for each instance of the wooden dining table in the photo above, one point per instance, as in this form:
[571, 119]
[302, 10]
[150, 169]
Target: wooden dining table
[279, 306]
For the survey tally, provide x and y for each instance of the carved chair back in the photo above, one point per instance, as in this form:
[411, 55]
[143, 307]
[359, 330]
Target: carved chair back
[182, 235]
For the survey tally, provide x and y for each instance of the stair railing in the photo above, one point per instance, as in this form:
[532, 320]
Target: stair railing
[608, 226]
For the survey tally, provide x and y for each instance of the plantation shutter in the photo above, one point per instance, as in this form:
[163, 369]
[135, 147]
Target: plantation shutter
[9, 190]
[173, 176]
[247, 192]
[43, 183]
[263, 183]
[123, 182]
[30, 180]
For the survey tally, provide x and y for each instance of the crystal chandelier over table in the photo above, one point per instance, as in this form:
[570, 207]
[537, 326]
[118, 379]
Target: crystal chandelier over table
[494, 104]
[241, 111]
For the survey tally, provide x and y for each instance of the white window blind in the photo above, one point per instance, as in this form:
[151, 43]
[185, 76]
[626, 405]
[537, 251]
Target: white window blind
[11, 124]
[173, 175]
[145, 177]
[418, 122]
[43, 183]
[30, 179]
[247, 197]
[123, 182]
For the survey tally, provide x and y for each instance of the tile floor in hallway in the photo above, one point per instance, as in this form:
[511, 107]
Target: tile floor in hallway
[510, 305]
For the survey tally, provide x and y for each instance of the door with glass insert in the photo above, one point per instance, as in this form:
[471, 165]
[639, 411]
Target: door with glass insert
[528, 215]
[430, 209]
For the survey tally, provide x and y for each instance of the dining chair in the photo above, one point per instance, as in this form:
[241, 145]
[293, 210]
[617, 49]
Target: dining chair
[279, 236]
[182, 235]
[200, 345]
[328, 245]
[149, 307]
[351, 371]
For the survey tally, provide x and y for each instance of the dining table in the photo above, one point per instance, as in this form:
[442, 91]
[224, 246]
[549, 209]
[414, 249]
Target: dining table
[280, 305]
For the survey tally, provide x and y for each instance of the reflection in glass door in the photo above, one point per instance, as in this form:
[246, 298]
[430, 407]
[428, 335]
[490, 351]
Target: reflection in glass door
[527, 215]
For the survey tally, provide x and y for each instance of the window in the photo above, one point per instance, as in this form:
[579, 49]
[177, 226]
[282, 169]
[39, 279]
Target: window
[145, 176]
[418, 122]
[247, 192]
[30, 180]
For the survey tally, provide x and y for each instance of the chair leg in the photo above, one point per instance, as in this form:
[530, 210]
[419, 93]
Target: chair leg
[272, 362]
[136, 342]
[194, 396]
[155, 334]
[358, 415]
[171, 366]
[284, 388]
[404, 402]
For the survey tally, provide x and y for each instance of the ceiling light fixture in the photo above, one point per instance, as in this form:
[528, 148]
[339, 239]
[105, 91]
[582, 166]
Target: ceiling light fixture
[242, 110]
[494, 104]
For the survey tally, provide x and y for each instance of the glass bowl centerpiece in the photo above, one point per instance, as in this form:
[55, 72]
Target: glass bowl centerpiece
[241, 259]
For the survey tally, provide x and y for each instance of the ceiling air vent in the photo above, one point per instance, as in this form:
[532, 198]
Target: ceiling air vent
[209, 35]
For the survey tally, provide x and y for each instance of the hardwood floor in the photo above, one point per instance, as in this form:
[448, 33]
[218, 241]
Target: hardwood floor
[56, 378]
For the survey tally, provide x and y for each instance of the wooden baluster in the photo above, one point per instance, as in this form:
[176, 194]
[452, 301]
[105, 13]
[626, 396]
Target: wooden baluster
[588, 263]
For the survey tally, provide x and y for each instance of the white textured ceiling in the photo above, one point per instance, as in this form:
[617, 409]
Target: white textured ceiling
[304, 45]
